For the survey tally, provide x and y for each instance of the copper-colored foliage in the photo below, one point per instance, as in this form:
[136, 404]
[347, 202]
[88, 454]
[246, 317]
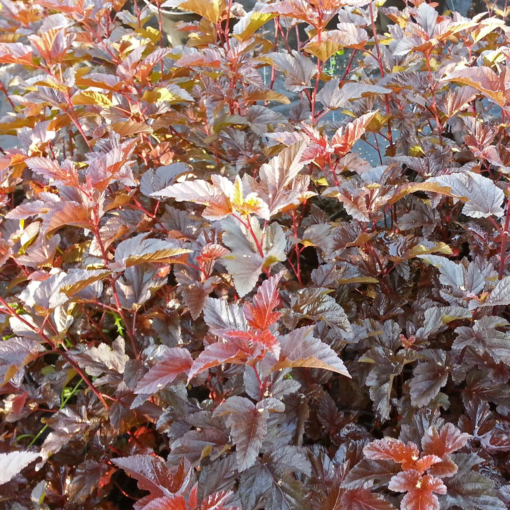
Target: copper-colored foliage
[267, 269]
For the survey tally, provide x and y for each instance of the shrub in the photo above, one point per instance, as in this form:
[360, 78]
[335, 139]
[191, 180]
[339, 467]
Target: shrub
[211, 299]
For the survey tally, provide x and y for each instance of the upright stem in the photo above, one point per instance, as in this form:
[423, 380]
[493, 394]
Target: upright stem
[247, 226]
[348, 68]
[129, 332]
[315, 90]
[4, 90]
[434, 104]
[381, 69]
[62, 405]
[53, 345]
[376, 40]
[118, 305]
[160, 24]
[319, 70]
[227, 25]
[72, 115]
[298, 251]
[302, 416]
[504, 235]
[261, 385]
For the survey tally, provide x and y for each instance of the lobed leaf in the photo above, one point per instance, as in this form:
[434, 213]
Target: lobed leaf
[139, 250]
[260, 314]
[301, 349]
[176, 361]
[483, 198]
[152, 474]
[11, 464]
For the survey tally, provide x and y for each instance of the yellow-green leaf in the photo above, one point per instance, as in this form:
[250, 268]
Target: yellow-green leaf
[208, 9]
[130, 127]
[90, 97]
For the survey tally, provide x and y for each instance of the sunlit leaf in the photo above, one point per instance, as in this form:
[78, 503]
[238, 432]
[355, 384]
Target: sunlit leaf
[483, 79]
[176, 361]
[13, 463]
[301, 349]
[483, 198]
[140, 249]
[90, 97]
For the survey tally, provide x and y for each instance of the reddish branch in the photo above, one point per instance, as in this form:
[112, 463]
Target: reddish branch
[7, 309]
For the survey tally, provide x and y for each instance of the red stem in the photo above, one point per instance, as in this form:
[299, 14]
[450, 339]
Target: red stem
[298, 251]
[114, 288]
[64, 354]
[503, 242]
[348, 68]
[248, 226]
[434, 104]
[381, 68]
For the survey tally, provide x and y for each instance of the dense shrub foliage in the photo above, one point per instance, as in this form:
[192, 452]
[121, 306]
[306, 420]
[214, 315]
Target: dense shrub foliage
[210, 299]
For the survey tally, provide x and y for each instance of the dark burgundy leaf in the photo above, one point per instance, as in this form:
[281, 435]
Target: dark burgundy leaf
[176, 361]
[153, 474]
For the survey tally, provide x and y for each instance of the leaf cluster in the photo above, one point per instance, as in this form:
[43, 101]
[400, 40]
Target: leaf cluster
[234, 276]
